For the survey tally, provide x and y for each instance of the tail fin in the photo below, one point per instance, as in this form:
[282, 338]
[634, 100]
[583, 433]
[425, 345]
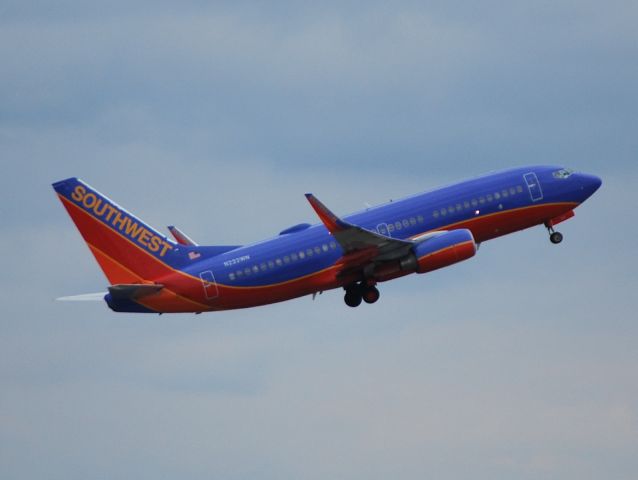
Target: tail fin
[128, 250]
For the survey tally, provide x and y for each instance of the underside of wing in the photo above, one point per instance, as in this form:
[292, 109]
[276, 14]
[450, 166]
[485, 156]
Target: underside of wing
[84, 297]
[371, 255]
[133, 291]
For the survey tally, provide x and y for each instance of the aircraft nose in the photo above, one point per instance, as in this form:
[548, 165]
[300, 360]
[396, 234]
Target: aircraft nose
[589, 184]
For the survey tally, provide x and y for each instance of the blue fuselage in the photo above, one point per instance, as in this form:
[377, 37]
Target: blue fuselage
[490, 206]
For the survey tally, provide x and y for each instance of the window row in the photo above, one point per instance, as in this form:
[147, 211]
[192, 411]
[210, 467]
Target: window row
[280, 261]
[476, 202]
[405, 223]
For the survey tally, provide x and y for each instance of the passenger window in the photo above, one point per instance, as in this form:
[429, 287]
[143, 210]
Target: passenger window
[302, 255]
[324, 247]
[497, 196]
[419, 218]
[519, 189]
[412, 221]
[333, 245]
[390, 228]
[397, 225]
[317, 250]
[504, 193]
[239, 273]
[450, 209]
[406, 223]
[512, 191]
[458, 207]
[231, 276]
[256, 269]
[271, 264]
[489, 197]
[466, 204]
[293, 257]
[286, 259]
[443, 211]
[263, 267]
[309, 252]
[247, 271]
[435, 214]
[474, 202]
[481, 200]
[278, 262]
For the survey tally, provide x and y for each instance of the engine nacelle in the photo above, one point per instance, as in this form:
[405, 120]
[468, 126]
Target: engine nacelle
[440, 251]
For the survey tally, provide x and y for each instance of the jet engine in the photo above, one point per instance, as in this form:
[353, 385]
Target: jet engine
[440, 251]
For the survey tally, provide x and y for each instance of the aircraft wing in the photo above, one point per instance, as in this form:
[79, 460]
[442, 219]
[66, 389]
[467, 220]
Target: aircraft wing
[359, 244]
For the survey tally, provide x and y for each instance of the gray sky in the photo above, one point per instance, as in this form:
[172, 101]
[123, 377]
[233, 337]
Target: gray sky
[520, 363]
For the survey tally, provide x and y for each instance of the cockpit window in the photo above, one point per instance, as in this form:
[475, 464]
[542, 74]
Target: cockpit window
[562, 173]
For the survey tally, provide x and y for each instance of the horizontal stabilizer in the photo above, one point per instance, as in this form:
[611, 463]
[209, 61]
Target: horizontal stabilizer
[195, 252]
[85, 297]
[132, 291]
[180, 236]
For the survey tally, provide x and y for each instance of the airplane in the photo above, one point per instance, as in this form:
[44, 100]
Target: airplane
[151, 273]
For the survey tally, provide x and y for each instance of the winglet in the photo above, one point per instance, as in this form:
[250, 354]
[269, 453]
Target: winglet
[329, 219]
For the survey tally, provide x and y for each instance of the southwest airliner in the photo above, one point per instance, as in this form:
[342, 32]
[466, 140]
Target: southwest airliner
[149, 272]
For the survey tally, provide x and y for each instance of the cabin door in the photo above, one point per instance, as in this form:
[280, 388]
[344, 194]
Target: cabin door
[382, 228]
[533, 186]
[209, 284]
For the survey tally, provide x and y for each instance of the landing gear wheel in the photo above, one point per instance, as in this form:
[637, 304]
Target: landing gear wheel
[556, 237]
[353, 297]
[371, 295]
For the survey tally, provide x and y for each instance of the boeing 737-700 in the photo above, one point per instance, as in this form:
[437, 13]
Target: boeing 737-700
[149, 272]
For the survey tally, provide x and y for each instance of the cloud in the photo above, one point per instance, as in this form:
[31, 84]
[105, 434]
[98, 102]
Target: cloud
[336, 86]
[517, 363]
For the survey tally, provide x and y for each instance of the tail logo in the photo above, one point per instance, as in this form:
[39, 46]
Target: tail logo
[119, 220]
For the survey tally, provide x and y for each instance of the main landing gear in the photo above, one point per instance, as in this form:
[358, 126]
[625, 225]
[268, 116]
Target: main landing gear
[359, 292]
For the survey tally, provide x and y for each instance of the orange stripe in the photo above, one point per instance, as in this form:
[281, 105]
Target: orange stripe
[285, 282]
[469, 242]
[480, 217]
[304, 277]
[413, 236]
[129, 241]
[142, 279]
[191, 277]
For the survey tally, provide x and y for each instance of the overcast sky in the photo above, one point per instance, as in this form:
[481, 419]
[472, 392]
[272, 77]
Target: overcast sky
[519, 363]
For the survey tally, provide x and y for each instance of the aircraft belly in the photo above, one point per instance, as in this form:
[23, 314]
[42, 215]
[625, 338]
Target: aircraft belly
[501, 223]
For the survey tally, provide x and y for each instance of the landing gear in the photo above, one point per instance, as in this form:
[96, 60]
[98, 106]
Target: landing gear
[556, 237]
[371, 294]
[353, 296]
[357, 293]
